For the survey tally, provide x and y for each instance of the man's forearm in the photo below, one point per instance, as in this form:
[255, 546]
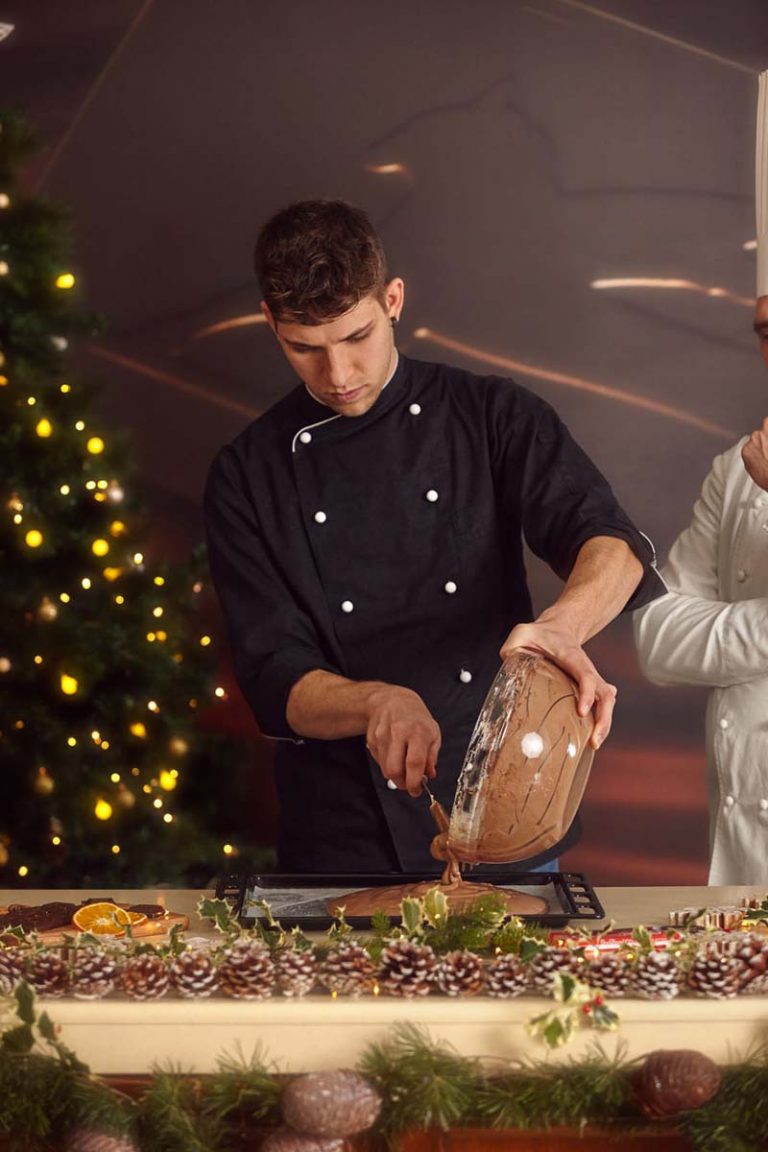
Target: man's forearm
[330, 707]
[605, 575]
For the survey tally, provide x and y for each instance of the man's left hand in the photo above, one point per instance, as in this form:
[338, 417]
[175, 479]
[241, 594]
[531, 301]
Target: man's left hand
[563, 648]
[755, 456]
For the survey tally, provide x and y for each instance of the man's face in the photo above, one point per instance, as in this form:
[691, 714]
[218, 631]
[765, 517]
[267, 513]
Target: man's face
[345, 362]
[761, 325]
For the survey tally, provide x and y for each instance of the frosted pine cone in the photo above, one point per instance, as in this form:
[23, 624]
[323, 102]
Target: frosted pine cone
[296, 971]
[544, 967]
[193, 973]
[93, 972]
[348, 970]
[460, 973]
[12, 961]
[506, 976]
[715, 976]
[144, 977]
[751, 950]
[611, 974]
[47, 973]
[246, 971]
[656, 976]
[407, 969]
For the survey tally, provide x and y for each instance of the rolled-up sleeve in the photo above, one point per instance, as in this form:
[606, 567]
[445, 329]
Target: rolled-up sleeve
[562, 498]
[273, 636]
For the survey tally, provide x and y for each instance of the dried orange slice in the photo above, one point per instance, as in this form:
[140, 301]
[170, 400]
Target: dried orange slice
[103, 919]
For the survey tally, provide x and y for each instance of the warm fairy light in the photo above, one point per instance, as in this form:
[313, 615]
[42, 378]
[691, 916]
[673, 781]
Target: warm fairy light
[80, 425]
[175, 773]
[115, 849]
[138, 729]
[56, 840]
[65, 388]
[66, 280]
[220, 692]
[69, 684]
[65, 597]
[119, 599]
[72, 742]
[204, 641]
[102, 810]
[158, 611]
[115, 777]
[44, 428]
[117, 528]
[95, 736]
[95, 445]
[115, 492]
[197, 586]
[23, 871]
[159, 580]
[5, 200]
[162, 636]
[138, 557]
[153, 706]
[86, 582]
[227, 849]
[99, 497]
[376, 990]
[167, 818]
[18, 518]
[193, 703]
[112, 574]
[178, 746]
[5, 664]
[65, 490]
[90, 485]
[168, 780]
[38, 659]
[100, 547]
[146, 788]
[151, 637]
[102, 484]
[33, 538]
[31, 400]
[157, 802]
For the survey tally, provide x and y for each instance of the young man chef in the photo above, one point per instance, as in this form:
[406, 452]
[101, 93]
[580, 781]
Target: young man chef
[365, 541]
[712, 626]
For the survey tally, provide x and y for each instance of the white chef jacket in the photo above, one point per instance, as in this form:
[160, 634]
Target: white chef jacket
[711, 628]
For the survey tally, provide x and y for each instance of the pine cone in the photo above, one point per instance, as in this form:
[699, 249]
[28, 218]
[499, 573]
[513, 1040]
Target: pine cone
[93, 972]
[144, 976]
[348, 970]
[674, 1081]
[407, 969]
[656, 976]
[296, 971]
[506, 976]
[12, 961]
[751, 950]
[193, 973]
[715, 976]
[330, 1104]
[460, 973]
[610, 974]
[246, 971]
[544, 967]
[287, 1140]
[47, 973]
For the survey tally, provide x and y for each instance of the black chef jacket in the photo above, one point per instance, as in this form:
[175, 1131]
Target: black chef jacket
[388, 547]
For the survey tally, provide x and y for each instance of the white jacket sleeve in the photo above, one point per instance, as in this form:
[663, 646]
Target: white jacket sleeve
[691, 635]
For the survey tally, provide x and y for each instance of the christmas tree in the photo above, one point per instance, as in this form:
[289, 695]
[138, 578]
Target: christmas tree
[105, 664]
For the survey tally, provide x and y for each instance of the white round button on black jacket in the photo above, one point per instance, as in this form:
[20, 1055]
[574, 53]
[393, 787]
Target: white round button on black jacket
[305, 437]
[347, 606]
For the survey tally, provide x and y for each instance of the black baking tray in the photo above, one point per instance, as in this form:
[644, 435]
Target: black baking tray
[297, 901]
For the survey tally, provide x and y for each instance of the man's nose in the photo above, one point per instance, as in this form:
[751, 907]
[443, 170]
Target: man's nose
[339, 368]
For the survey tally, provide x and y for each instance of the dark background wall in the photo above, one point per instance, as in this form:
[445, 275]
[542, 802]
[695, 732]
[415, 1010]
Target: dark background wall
[513, 154]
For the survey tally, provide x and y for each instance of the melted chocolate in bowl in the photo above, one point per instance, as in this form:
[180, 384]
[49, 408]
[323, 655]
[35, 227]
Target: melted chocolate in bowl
[460, 894]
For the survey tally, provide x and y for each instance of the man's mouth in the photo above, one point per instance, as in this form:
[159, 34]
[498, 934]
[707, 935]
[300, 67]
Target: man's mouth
[348, 397]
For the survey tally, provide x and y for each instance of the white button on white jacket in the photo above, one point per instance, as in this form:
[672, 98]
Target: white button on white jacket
[711, 628]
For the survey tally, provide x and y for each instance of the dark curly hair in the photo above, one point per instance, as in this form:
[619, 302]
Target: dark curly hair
[316, 259]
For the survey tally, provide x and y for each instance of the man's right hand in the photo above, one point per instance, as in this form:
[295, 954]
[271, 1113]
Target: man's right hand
[755, 456]
[402, 736]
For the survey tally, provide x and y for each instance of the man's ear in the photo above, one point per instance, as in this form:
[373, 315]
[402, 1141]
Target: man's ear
[268, 316]
[394, 298]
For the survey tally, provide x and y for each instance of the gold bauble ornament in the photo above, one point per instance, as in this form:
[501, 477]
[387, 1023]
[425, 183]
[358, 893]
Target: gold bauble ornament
[44, 784]
[125, 797]
[47, 609]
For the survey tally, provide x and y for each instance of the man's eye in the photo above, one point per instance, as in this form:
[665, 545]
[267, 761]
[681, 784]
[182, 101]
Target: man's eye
[359, 338]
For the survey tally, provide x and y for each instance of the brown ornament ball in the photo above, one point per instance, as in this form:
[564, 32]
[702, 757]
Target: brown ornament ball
[286, 1140]
[675, 1080]
[89, 1140]
[338, 1103]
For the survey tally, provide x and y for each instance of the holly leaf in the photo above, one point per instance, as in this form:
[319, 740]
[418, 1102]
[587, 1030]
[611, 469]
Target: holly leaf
[221, 914]
[643, 938]
[25, 1003]
[412, 914]
[436, 907]
[18, 1040]
[530, 948]
[46, 1028]
[557, 1032]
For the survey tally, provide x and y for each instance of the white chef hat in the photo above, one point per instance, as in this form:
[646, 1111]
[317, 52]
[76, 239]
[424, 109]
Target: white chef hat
[761, 184]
